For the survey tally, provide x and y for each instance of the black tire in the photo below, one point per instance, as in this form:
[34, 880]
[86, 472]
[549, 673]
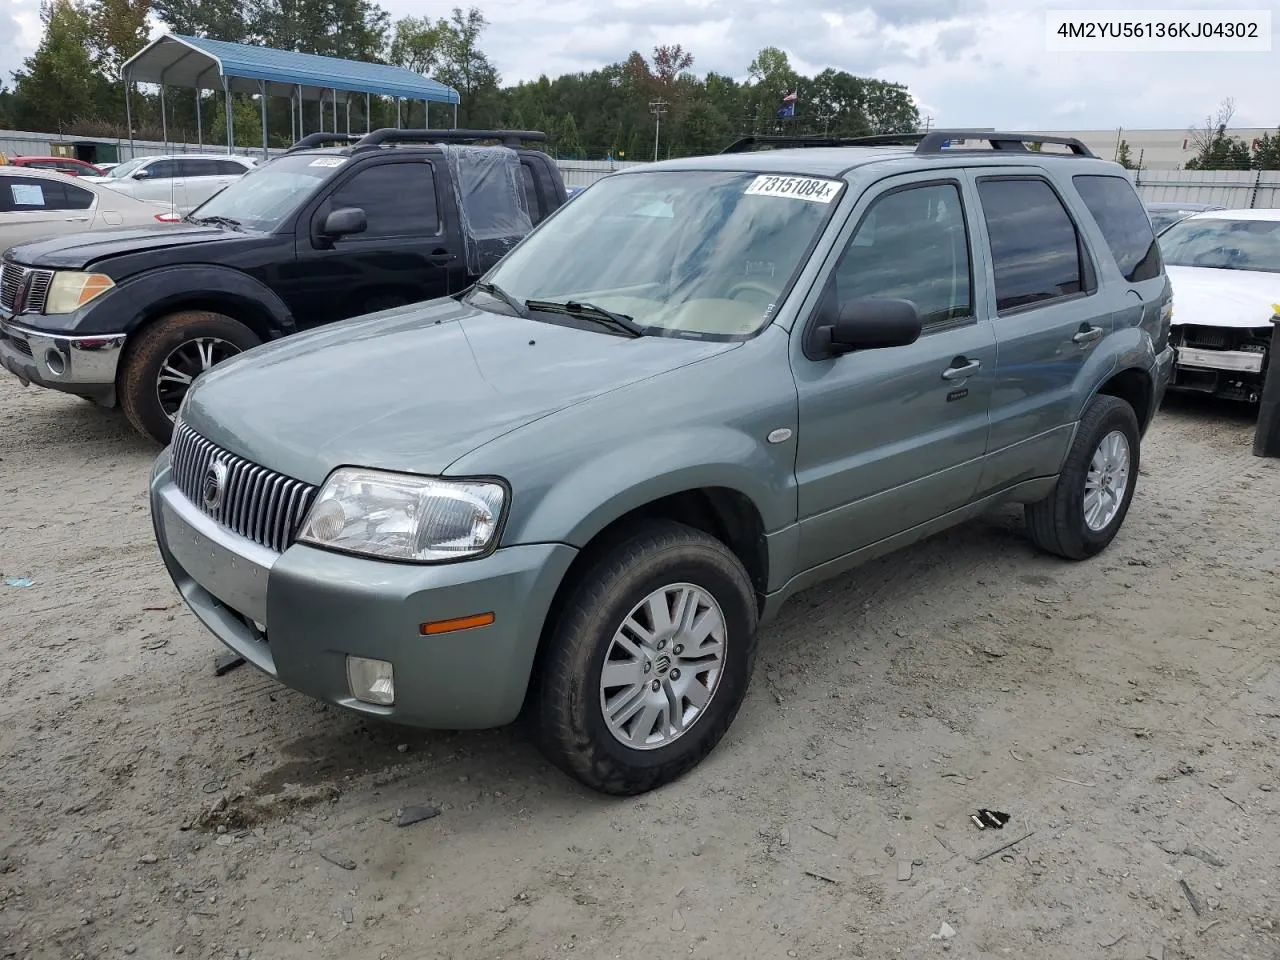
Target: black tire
[568, 715]
[152, 346]
[1057, 523]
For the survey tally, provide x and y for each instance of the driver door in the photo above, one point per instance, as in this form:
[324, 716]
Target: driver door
[895, 437]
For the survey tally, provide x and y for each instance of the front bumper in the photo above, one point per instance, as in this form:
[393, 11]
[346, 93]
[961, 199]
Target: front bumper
[313, 608]
[84, 366]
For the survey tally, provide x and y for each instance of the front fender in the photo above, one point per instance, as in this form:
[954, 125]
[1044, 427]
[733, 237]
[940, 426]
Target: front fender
[579, 504]
[142, 296]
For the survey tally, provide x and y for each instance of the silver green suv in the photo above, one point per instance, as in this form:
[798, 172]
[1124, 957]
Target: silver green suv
[576, 489]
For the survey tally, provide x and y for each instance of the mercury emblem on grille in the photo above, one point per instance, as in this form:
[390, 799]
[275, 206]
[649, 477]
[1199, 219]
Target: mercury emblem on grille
[215, 479]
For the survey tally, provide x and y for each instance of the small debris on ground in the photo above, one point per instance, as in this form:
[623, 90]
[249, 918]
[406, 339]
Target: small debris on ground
[945, 932]
[18, 582]
[148, 858]
[904, 870]
[348, 915]
[989, 818]
[346, 863]
[1155, 952]
[1191, 898]
[1200, 853]
[677, 921]
[225, 663]
[416, 814]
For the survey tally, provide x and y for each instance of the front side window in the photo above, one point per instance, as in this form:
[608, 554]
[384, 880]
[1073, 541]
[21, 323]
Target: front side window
[163, 170]
[688, 253]
[398, 200]
[1035, 250]
[1222, 243]
[912, 245]
[1124, 224]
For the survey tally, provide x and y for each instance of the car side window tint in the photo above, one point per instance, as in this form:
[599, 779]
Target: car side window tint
[1035, 248]
[398, 200]
[531, 193]
[1124, 224]
[31, 193]
[912, 244]
[163, 170]
[229, 168]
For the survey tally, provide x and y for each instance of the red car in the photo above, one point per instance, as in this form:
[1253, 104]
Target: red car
[77, 168]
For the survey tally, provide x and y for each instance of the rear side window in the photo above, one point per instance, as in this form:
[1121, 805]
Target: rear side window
[1124, 224]
[229, 168]
[29, 193]
[1035, 249]
[398, 200]
[531, 193]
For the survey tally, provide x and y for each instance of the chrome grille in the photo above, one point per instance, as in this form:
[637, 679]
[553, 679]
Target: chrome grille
[19, 342]
[11, 279]
[257, 503]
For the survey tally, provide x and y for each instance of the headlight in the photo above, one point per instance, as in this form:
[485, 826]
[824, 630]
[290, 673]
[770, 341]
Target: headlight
[71, 290]
[404, 517]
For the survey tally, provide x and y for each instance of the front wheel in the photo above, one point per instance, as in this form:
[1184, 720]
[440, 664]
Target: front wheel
[1084, 512]
[165, 359]
[649, 660]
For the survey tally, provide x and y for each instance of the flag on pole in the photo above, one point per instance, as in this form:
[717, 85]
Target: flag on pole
[791, 97]
[789, 104]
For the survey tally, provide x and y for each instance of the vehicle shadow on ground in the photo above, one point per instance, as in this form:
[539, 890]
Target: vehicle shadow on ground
[73, 424]
[449, 765]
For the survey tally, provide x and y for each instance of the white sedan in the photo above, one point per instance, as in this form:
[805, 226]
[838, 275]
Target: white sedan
[1225, 269]
[45, 203]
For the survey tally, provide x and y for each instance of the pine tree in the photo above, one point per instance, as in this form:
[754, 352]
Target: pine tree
[1123, 156]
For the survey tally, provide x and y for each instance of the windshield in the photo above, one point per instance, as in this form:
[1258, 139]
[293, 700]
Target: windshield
[270, 192]
[1162, 218]
[126, 168]
[681, 253]
[1223, 244]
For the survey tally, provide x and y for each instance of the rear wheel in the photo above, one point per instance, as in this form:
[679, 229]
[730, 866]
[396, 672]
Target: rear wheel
[1084, 512]
[649, 661]
[167, 356]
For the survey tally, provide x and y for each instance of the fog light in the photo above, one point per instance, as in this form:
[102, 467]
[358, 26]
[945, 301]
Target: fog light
[372, 681]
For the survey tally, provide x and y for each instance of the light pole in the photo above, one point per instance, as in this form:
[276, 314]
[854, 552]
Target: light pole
[659, 110]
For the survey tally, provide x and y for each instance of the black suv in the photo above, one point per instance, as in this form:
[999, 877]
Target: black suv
[316, 235]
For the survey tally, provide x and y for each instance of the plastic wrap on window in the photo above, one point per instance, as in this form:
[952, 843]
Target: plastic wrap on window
[494, 215]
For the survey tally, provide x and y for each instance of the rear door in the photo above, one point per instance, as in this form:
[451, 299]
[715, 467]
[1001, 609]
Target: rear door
[1049, 317]
[410, 252]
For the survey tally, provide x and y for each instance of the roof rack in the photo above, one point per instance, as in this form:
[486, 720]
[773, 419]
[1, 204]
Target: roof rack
[508, 138]
[933, 142]
[936, 141]
[318, 139]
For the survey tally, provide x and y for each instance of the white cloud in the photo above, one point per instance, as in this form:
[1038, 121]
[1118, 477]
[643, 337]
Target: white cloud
[967, 62]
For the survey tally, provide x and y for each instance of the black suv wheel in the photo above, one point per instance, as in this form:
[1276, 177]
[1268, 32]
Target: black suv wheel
[166, 356]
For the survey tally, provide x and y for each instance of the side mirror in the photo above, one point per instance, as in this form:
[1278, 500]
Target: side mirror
[870, 323]
[142, 175]
[343, 221]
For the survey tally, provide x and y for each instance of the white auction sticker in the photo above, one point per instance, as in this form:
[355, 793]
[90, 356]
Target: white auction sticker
[795, 188]
[327, 162]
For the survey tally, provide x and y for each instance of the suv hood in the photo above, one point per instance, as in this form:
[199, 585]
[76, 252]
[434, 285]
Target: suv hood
[1223, 298]
[75, 251]
[415, 388]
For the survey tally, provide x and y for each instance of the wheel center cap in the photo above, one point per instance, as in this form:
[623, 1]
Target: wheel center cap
[661, 665]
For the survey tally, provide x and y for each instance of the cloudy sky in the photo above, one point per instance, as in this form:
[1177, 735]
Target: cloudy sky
[967, 62]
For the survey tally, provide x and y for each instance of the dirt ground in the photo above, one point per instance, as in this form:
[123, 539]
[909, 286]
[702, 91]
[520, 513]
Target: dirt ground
[1124, 712]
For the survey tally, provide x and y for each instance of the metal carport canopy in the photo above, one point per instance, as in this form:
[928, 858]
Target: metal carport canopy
[205, 64]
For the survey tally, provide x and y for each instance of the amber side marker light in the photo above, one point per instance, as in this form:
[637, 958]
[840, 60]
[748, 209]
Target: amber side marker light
[457, 623]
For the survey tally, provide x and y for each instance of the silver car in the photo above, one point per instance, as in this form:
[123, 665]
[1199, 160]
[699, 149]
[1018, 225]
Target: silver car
[44, 203]
[183, 180]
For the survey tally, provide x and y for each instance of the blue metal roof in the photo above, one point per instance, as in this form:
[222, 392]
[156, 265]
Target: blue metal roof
[200, 62]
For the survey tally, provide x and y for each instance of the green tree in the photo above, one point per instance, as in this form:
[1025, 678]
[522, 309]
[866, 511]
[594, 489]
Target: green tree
[1123, 156]
[349, 29]
[119, 31]
[418, 44]
[58, 84]
[215, 19]
[464, 66]
[1266, 155]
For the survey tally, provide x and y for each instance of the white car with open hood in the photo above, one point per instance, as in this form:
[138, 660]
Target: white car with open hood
[1225, 269]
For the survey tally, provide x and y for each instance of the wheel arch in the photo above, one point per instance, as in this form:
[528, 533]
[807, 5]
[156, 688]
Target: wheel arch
[1136, 387]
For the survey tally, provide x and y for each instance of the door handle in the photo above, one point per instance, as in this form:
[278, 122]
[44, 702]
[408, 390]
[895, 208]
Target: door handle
[77, 219]
[1087, 335]
[439, 257]
[961, 368]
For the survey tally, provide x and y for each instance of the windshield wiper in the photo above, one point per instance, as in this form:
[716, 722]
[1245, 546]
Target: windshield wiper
[494, 290]
[572, 308]
[219, 221]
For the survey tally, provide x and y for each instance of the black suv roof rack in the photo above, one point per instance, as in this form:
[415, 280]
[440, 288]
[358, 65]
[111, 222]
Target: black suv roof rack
[508, 138]
[933, 142]
[319, 139]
